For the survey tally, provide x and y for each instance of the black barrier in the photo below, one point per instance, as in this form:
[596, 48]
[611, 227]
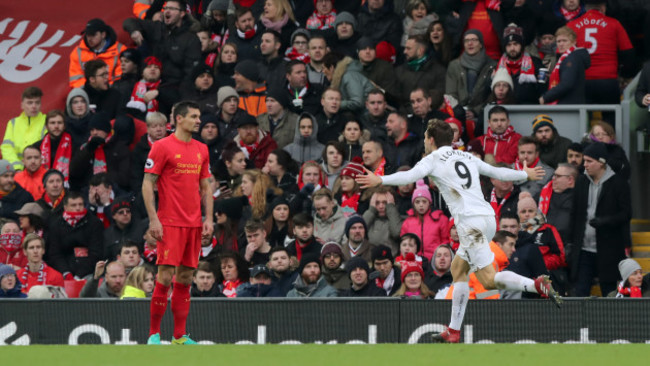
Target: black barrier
[327, 321]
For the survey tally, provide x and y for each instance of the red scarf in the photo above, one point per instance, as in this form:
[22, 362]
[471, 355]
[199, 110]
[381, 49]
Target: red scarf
[350, 201]
[569, 14]
[381, 169]
[250, 149]
[321, 21]
[99, 163]
[10, 242]
[150, 254]
[545, 197]
[554, 79]
[524, 67]
[293, 54]
[73, 218]
[42, 276]
[502, 137]
[520, 166]
[498, 205]
[210, 58]
[489, 4]
[48, 200]
[230, 287]
[62, 156]
[137, 96]
[631, 291]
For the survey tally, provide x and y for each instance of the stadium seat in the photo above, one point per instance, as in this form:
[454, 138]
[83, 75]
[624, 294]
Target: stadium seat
[73, 287]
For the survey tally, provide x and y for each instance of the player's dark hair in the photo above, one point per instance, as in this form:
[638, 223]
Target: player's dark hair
[71, 196]
[441, 132]
[498, 109]
[501, 236]
[100, 178]
[32, 92]
[509, 215]
[253, 226]
[91, 67]
[182, 108]
[303, 219]
[525, 140]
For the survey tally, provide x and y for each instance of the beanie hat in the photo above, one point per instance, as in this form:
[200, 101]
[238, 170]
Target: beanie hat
[526, 201]
[306, 259]
[199, 70]
[277, 201]
[365, 42]
[280, 95]
[248, 69]
[133, 55]
[6, 270]
[100, 121]
[381, 252]
[627, 267]
[456, 122]
[577, 147]
[329, 248]
[418, 242]
[355, 220]
[221, 5]
[352, 169]
[513, 33]
[120, 204]
[345, 17]
[357, 262]
[224, 93]
[5, 166]
[477, 33]
[411, 265]
[208, 118]
[502, 75]
[50, 172]
[421, 190]
[386, 52]
[246, 119]
[300, 32]
[153, 60]
[542, 120]
[476, 147]
[597, 151]
[231, 207]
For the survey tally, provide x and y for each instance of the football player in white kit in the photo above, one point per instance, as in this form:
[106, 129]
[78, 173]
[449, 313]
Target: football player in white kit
[456, 173]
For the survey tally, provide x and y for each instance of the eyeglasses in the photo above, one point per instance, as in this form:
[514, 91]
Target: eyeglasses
[102, 75]
[171, 8]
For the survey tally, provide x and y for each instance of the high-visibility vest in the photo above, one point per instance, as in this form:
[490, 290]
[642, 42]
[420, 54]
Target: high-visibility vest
[82, 54]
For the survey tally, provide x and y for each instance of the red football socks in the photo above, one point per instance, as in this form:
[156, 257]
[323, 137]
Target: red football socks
[157, 307]
[180, 308]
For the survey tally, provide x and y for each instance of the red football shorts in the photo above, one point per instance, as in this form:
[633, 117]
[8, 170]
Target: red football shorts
[179, 246]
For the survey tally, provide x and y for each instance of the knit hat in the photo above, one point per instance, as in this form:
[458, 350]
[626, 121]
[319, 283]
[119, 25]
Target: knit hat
[577, 147]
[224, 93]
[345, 17]
[627, 267]
[411, 265]
[386, 52]
[277, 201]
[208, 118]
[352, 169]
[246, 119]
[31, 208]
[100, 121]
[5, 166]
[152, 60]
[455, 121]
[357, 262]
[199, 70]
[329, 248]
[221, 5]
[381, 252]
[421, 190]
[476, 147]
[300, 32]
[477, 33]
[542, 120]
[513, 33]
[231, 207]
[526, 201]
[306, 259]
[280, 95]
[418, 242]
[120, 204]
[365, 42]
[6, 270]
[133, 55]
[48, 173]
[597, 151]
[355, 219]
[248, 69]
[502, 75]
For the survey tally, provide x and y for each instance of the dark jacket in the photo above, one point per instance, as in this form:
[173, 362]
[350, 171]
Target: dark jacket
[75, 249]
[381, 25]
[560, 214]
[457, 26]
[407, 152]
[105, 101]
[114, 237]
[207, 99]
[429, 77]
[254, 290]
[376, 126]
[346, 47]
[529, 92]
[14, 201]
[555, 152]
[313, 247]
[138, 159]
[228, 130]
[571, 88]
[329, 128]
[337, 277]
[247, 49]
[284, 283]
[418, 125]
[397, 283]
[117, 164]
[382, 75]
[224, 73]
[266, 144]
[612, 224]
[213, 292]
[14, 292]
[456, 85]
[435, 283]
[321, 289]
[310, 100]
[284, 129]
[273, 72]
[369, 290]
[125, 86]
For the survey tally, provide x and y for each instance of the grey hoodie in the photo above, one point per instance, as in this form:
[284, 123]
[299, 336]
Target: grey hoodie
[76, 92]
[589, 244]
[304, 149]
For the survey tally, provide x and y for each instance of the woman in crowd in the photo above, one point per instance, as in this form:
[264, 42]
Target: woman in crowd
[279, 225]
[225, 65]
[230, 168]
[413, 286]
[30, 218]
[417, 19]
[305, 145]
[281, 167]
[634, 283]
[278, 16]
[310, 179]
[440, 42]
[457, 126]
[353, 137]
[233, 273]
[348, 192]
[77, 109]
[139, 283]
[227, 214]
[299, 49]
[502, 88]
[255, 186]
[333, 161]
[602, 131]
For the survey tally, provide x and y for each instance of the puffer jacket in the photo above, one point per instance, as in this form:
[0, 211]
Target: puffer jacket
[305, 149]
[354, 87]
[433, 230]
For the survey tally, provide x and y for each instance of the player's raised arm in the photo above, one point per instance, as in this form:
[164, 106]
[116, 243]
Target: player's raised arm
[508, 174]
[419, 171]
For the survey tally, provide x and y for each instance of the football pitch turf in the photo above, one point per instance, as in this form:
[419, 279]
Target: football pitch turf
[331, 355]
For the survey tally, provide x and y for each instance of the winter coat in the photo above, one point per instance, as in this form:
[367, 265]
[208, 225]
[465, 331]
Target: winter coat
[534, 187]
[77, 127]
[266, 144]
[223, 74]
[346, 47]
[527, 260]
[418, 125]
[571, 88]
[430, 76]
[376, 126]
[273, 72]
[456, 85]
[310, 100]
[329, 128]
[504, 151]
[21, 132]
[529, 92]
[313, 247]
[117, 165]
[555, 152]
[560, 214]
[212, 292]
[228, 130]
[435, 283]
[114, 237]
[15, 292]
[305, 149]
[125, 86]
[382, 75]
[254, 290]
[284, 283]
[248, 49]
[285, 128]
[138, 159]
[85, 238]
[432, 229]
[369, 290]
[331, 229]
[131, 292]
[105, 101]
[206, 99]
[354, 87]
[81, 54]
[613, 211]
[92, 288]
[365, 251]
[14, 201]
[380, 25]
[384, 230]
[337, 278]
[406, 152]
[322, 289]
[643, 87]
[550, 244]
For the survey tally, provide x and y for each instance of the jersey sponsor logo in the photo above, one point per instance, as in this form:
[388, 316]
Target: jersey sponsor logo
[178, 156]
[149, 164]
[199, 156]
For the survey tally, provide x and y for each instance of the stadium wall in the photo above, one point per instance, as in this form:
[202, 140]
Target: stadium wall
[327, 321]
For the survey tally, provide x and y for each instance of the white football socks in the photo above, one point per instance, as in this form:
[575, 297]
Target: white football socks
[458, 304]
[508, 280]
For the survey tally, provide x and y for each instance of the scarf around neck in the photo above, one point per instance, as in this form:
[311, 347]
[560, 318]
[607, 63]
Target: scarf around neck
[276, 26]
[62, 155]
[501, 137]
[474, 63]
[415, 65]
[520, 166]
[524, 67]
[545, 197]
[73, 218]
[42, 276]
[137, 96]
[489, 4]
[554, 79]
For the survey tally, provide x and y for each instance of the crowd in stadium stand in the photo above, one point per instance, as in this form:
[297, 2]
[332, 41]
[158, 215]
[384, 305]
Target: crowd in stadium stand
[297, 98]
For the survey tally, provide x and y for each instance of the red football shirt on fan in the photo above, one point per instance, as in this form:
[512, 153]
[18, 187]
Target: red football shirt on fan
[480, 20]
[179, 166]
[602, 37]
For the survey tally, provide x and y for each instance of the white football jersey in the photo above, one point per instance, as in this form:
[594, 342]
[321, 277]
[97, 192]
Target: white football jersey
[456, 173]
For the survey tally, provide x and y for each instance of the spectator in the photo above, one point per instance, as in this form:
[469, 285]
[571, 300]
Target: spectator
[317, 50]
[520, 66]
[54, 192]
[528, 155]
[439, 277]
[234, 273]
[544, 46]
[225, 66]
[251, 88]
[9, 284]
[145, 93]
[352, 137]
[504, 195]
[55, 148]
[311, 178]
[329, 223]
[411, 243]
[556, 200]
[486, 17]
[642, 93]
[247, 36]
[30, 218]
[305, 243]
[204, 283]
[440, 42]
[324, 15]
[278, 120]
[129, 255]
[208, 48]
[139, 284]
[345, 75]
[228, 113]
[345, 37]
[378, 21]
[229, 168]
[75, 239]
[25, 129]
[412, 277]
[567, 10]
[257, 250]
[209, 134]
[123, 229]
[100, 197]
[131, 64]
[566, 84]
[259, 285]
[421, 69]
[299, 50]
[12, 195]
[403, 147]
[112, 285]
[36, 272]
[101, 97]
[602, 131]
[375, 116]
[311, 283]
[356, 242]
[501, 139]
[468, 76]
[333, 267]
[228, 213]
[156, 130]
[278, 16]
[255, 143]
[417, 19]
[77, 118]
[457, 127]
[601, 228]
[374, 160]
[283, 275]
[552, 147]
[634, 283]
[279, 225]
[31, 178]
[383, 221]
[201, 88]
[332, 164]
[361, 286]
[330, 122]
[303, 95]
[11, 238]
[282, 168]
[272, 65]
[385, 275]
[380, 73]
[430, 225]
[574, 156]
[423, 112]
[103, 153]
[257, 189]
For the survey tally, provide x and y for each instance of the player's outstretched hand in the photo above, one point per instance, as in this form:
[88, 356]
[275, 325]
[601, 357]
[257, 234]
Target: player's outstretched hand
[368, 180]
[535, 173]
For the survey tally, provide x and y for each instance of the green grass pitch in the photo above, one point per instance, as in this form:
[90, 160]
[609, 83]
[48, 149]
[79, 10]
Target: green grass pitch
[331, 355]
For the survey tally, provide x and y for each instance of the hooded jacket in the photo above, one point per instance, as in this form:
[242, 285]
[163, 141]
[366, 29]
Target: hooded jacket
[77, 127]
[332, 229]
[354, 87]
[432, 230]
[321, 289]
[285, 129]
[14, 201]
[110, 54]
[384, 230]
[337, 278]
[304, 149]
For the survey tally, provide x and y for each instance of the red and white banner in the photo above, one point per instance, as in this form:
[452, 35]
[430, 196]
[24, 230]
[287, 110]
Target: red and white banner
[36, 38]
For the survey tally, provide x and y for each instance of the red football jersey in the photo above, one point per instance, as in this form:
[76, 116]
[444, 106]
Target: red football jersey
[602, 37]
[179, 166]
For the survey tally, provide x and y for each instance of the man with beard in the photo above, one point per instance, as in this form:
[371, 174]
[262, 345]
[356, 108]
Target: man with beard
[403, 147]
[423, 111]
[358, 271]
[419, 70]
[12, 195]
[375, 115]
[31, 179]
[521, 66]
[56, 147]
[303, 230]
[357, 244]
[333, 269]
[282, 275]
[246, 37]
[386, 275]
[304, 96]
[253, 142]
[575, 157]
[311, 282]
[552, 147]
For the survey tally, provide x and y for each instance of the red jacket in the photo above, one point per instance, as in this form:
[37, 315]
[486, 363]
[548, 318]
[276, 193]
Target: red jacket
[51, 277]
[503, 150]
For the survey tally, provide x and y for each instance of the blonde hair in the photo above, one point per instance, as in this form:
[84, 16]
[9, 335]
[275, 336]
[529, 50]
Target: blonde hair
[567, 32]
[32, 237]
[155, 117]
[261, 183]
[136, 277]
[425, 292]
[283, 7]
[606, 127]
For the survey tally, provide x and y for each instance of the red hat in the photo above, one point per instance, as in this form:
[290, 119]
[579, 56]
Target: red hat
[456, 122]
[386, 52]
[152, 60]
[352, 170]
[411, 265]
